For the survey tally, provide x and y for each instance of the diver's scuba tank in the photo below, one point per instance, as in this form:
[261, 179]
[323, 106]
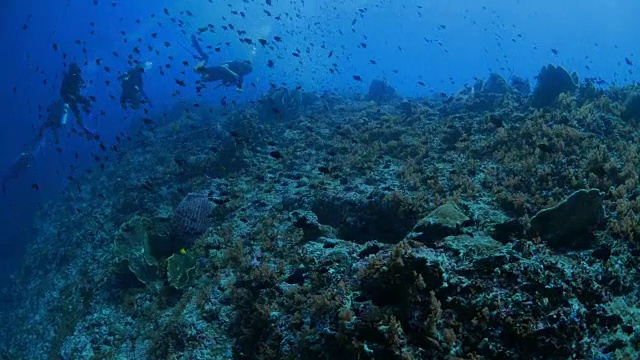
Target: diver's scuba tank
[65, 114]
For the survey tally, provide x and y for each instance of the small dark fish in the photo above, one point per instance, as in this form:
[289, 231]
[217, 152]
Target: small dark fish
[554, 51]
[55, 47]
[276, 155]
[421, 83]
[270, 64]
[154, 35]
[544, 147]
[295, 54]
[268, 2]
[277, 38]
[35, 186]
[262, 42]
[373, 62]
[357, 78]
[180, 82]
[626, 59]
[330, 53]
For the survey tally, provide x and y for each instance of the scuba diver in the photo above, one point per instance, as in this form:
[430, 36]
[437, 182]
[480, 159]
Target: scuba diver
[230, 73]
[72, 84]
[132, 92]
[57, 116]
[23, 162]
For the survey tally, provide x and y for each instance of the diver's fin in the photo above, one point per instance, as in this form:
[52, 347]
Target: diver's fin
[196, 45]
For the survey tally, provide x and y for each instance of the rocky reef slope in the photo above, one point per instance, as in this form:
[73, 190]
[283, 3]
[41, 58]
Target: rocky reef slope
[314, 226]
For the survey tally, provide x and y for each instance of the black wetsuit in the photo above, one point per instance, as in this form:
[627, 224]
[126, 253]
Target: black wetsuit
[18, 166]
[72, 84]
[54, 122]
[230, 73]
[132, 92]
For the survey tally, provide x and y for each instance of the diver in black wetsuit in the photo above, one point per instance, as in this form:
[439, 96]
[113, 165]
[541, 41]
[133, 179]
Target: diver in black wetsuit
[72, 84]
[132, 91]
[56, 118]
[230, 73]
[18, 166]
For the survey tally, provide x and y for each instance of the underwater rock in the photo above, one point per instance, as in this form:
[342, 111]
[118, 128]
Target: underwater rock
[569, 224]
[631, 110]
[552, 81]
[521, 85]
[191, 218]
[361, 218]
[508, 230]
[444, 221]
[381, 91]
[307, 221]
[496, 84]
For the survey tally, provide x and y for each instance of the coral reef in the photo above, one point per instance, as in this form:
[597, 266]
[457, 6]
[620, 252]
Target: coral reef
[495, 84]
[631, 111]
[552, 81]
[381, 91]
[470, 226]
[282, 104]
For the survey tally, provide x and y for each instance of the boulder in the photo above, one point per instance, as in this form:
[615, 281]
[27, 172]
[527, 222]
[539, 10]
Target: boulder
[444, 221]
[552, 81]
[631, 110]
[496, 84]
[569, 225]
[381, 91]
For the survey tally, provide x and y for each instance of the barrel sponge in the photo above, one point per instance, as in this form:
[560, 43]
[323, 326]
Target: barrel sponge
[191, 218]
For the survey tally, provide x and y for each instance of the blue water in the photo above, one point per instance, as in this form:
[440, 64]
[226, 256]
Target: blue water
[441, 44]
